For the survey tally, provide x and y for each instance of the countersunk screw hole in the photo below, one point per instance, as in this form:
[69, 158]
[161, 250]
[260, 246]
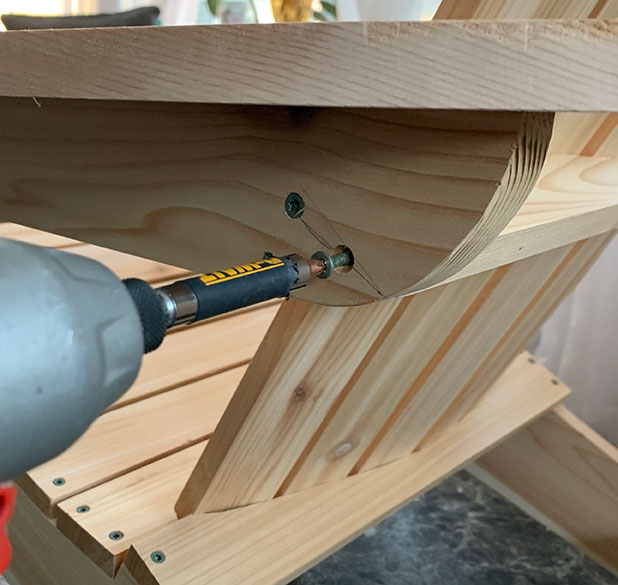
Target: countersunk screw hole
[531, 360]
[59, 481]
[82, 509]
[157, 557]
[116, 535]
[294, 206]
[554, 381]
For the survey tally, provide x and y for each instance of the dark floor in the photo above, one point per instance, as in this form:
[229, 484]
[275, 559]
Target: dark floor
[459, 533]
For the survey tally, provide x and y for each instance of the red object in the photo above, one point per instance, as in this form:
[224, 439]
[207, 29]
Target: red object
[8, 494]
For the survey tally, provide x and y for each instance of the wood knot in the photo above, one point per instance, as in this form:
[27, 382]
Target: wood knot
[299, 394]
[342, 450]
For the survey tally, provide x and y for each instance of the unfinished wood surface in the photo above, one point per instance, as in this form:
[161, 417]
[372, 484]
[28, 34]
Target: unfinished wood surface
[575, 133]
[136, 504]
[199, 352]
[561, 281]
[576, 197]
[43, 556]
[291, 533]
[130, 437]
[535, 65]
[307, 356]
[401, 366]
[564, 473]
[414, 194]
[29, 235]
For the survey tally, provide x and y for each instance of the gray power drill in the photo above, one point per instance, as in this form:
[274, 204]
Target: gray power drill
[72, 335]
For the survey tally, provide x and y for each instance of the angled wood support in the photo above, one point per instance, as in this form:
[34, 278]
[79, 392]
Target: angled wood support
[565, 474]
[345, 390]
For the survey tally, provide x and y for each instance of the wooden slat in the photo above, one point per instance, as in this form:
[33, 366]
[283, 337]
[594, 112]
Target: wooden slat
[565, 474]
[274, 541]
[366, 401]
[575, 198]
[566, 275]
[535, 65]
[307, 356]
[130, 437]
[588, 133]
[413, 194]
[36, 237]
[127, 266]
[198, 352]
[433, 387]
[41, 555]
[136, 504]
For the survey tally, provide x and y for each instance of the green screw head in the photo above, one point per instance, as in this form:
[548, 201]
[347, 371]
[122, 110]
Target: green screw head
[294, 206]
[157, 557]
[82, 509]
[59, 481]
[116, 535]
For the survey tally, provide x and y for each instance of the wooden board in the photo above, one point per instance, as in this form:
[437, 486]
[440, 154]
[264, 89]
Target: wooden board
[130, 437]
[201, 351]
[534, 65]
[564, 473]
[415, 195]
[350, 389]
[272, 542]
[582, 133]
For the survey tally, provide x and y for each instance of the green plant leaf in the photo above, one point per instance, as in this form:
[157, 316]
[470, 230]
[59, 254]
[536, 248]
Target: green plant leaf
[213, 5]
[330, 8]
[319, 16]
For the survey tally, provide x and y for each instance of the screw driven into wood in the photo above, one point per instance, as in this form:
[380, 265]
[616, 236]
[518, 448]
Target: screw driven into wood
[59, 481]
[82, 509]
[157, 557]
[294, 205]
[116, 535]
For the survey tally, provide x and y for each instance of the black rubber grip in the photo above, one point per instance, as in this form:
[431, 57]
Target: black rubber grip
[150, 311]
[221, 295]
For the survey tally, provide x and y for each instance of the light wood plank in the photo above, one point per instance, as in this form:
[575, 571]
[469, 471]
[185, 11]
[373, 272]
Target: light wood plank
[127, 266]
[566, 275]
[133, 436]
[272, 542]
[413, 194]
[431, 390]
[42, 555]
[137, 504]
[564, 473]
[535, 65]
[36, 237]
[194, 353]
[307, 356]
[575, 133]
[575, 198]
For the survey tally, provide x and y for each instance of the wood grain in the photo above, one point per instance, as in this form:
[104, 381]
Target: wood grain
[566, 474]
[137, 504]
[130, 437]
[415, 195]
[41, 555]
[289, 534]
[535, 65]
[194, 353]
[575, 133]
[400, 366]
[575, 198]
